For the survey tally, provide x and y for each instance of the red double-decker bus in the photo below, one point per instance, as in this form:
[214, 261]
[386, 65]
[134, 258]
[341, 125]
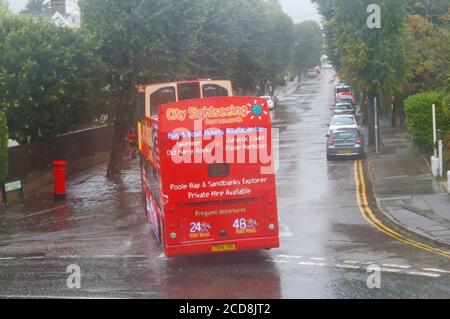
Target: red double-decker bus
[207, 168]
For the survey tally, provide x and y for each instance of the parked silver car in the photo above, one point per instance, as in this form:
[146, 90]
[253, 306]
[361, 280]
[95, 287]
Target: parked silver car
[344, 143]
[343, 108]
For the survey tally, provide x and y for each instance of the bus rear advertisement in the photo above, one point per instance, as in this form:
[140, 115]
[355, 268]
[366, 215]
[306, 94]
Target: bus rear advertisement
[208, 175]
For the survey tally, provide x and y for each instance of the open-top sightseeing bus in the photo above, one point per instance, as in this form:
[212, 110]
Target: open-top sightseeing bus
[207, 170]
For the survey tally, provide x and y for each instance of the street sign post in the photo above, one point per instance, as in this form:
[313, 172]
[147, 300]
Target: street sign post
[10, 186]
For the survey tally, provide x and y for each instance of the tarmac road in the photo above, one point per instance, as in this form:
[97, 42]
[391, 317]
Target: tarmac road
[328, 234]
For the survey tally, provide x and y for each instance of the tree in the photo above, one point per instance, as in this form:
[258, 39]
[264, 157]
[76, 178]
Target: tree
[434, 11]
[430, 49]
[4, 7]
[7, 23]
[250, 48]
[374, 61]
[307, 46]
[140, 41]
[145, 41]
[281, 35]
[37, 8]
[50, 79]
[3, 145]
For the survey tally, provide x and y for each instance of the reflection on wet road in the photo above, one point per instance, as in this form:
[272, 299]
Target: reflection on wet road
[327, 244]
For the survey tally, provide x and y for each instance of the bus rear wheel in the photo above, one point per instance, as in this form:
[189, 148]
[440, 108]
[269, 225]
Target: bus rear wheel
[161, 234]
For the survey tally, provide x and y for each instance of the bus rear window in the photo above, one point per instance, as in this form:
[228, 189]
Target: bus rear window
[212, 90]
[188, 91]
[162, 96]
[218, 170]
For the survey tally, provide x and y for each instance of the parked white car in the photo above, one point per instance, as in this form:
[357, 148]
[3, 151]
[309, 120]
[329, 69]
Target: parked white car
[270, 101]
[342, 121]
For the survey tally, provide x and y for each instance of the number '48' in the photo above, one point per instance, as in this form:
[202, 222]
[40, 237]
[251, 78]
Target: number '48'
[240, 223]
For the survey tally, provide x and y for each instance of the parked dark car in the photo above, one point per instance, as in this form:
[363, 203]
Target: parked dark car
[344, 98]
[342, 88]
[345, 143]
[275, 101]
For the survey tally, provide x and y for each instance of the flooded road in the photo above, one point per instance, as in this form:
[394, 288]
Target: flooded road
[327, 243]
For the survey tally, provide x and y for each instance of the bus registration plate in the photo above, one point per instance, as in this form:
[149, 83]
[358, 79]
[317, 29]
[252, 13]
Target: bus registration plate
[224, 247]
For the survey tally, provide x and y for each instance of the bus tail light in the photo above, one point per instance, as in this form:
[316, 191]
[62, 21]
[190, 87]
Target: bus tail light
[271, 226]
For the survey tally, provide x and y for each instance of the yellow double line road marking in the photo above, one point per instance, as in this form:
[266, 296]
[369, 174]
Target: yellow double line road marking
[366, 211]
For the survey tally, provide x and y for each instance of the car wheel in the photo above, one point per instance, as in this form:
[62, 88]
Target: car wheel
[329, 158]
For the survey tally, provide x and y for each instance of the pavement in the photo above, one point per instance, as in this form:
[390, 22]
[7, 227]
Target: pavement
[405, 189]
[329, 245]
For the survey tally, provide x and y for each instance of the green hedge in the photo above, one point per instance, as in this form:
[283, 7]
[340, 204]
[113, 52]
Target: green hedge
[419, 117]
[3, 146]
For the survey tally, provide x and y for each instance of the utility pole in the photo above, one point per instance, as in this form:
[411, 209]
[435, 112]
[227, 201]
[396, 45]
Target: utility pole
[441, 155]
[435, 161]
[393, 109]
[376, 125]
[434, 129]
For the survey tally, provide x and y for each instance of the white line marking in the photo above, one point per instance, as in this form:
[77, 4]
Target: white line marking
[351, 262]
[278, 261]
[35, 257]
[45, 211]
[348, 266]
[7, 258]
[102, 256]
[396, 266]
[420, 273]
[288, 256]
[305, 263]
[437, 270]
[390, 270]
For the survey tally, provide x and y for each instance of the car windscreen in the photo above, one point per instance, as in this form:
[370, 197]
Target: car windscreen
[342, 121]
[346, 99]
[343, 107]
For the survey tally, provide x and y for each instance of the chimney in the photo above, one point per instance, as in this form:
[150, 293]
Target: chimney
[58, 6]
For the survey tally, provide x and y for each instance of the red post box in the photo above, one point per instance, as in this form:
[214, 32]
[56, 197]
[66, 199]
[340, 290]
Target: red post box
[59, 172]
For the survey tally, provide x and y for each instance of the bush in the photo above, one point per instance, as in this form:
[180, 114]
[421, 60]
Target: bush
[446, 140]
[50, 79]
[419, 117]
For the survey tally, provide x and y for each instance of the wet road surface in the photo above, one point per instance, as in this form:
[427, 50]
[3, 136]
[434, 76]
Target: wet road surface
[326, 248]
